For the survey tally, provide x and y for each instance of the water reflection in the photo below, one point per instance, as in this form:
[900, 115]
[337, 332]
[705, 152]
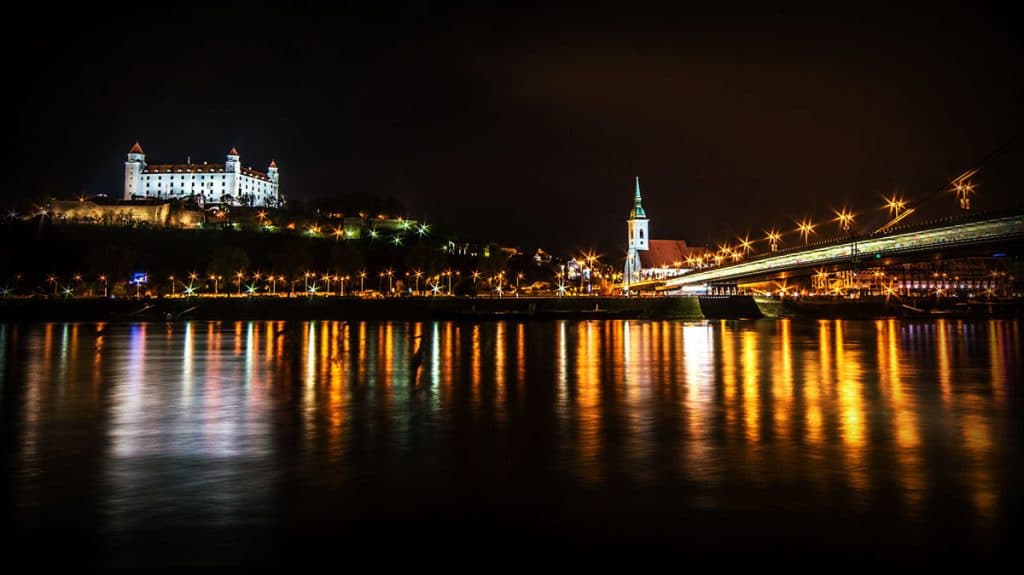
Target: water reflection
[229, 423]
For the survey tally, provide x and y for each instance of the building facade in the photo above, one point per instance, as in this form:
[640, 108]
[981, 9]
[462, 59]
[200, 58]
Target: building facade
[228, 183]
[638, 238]
[648, 259]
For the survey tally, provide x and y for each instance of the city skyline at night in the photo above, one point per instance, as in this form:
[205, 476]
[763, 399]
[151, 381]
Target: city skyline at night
[734, 120]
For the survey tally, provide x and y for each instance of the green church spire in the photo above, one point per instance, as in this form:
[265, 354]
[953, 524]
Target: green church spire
[637, 213]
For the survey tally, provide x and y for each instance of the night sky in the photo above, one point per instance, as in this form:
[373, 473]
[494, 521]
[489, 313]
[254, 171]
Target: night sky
[526, 125]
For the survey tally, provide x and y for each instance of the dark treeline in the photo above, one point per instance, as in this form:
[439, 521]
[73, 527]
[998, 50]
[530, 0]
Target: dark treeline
[35, 250]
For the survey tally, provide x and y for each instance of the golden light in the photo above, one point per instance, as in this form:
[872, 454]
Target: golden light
[806, 228]
[963, 188]
[746, 244]
[845, 218]
[895, 205]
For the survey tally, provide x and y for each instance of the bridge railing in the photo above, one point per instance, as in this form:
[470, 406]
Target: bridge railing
[871, 255]
[902, 229]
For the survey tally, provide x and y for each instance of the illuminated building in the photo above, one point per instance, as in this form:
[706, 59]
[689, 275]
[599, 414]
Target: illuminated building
[649, 259]
[638, 236]
[228, 183]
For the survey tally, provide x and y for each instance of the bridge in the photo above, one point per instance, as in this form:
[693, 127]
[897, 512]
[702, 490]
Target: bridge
[886, 246]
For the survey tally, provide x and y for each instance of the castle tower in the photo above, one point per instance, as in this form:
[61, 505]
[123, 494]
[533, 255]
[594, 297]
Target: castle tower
[276, 189]
[638, 239]
[133, 169]
[232, 175]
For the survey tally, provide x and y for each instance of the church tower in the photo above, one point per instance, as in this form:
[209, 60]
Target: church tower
[133, 169]
[638, 239]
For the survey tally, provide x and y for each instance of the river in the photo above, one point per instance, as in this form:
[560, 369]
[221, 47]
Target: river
[209, 444]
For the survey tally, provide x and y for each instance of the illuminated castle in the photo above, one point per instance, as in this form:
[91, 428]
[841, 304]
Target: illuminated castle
[228, 183]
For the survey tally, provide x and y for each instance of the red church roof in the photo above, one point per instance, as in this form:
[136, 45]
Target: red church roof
[667, 253]
[136, 149]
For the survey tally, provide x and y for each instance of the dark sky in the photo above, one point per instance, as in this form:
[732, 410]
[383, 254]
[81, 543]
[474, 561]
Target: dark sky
[525, 125]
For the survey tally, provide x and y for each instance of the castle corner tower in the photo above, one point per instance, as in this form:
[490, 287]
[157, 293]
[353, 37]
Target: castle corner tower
[133, 169]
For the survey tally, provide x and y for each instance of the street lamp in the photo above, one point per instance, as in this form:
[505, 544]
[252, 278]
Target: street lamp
[239, 276]
[806, 228]
[172, 284]
[895, 205]
[362, 276]
[845, 219]
[103, 279]
[963, 188]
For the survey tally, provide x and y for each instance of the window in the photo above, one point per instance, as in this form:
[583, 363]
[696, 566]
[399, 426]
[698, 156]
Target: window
[641, 233]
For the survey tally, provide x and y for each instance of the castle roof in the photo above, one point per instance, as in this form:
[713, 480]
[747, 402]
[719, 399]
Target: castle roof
[667, 253]
[183, 168]
[200, 169]
[255, 174]
[233, 151]
[136, 149]
[273, 164]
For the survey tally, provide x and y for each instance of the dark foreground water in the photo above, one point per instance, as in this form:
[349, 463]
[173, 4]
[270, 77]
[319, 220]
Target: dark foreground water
[252, 443]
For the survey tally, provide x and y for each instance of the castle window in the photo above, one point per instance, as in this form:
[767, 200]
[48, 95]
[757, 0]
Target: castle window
[641, 233]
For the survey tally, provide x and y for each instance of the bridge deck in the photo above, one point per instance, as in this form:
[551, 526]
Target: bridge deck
[895, 244]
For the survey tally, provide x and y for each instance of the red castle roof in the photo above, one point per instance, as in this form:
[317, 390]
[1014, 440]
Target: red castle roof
[233, 151]
[273, 164]
[136, 149]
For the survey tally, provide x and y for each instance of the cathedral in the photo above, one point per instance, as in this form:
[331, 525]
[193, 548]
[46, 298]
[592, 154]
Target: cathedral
[648, 259]
[228, 183]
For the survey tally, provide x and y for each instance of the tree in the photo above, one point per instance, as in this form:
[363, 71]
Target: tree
[290, 261]
[347, 257]
[226, 260]
[113, 260]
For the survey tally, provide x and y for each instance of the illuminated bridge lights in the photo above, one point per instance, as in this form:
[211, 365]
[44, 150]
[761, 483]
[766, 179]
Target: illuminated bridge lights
[979, 232]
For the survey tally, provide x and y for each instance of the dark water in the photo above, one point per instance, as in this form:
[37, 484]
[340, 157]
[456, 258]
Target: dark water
[252, 443]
